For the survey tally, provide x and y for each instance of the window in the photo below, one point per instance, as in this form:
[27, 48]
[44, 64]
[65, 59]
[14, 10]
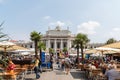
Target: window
[58, 45]
[52, 45]
[64, 44]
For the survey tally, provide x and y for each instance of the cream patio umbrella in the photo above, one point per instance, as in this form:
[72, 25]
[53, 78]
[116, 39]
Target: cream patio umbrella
[9, 46]
[103, 50]
[115, 45]
[108, 50]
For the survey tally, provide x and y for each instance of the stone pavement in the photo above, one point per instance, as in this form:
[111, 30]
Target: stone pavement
[58, 74]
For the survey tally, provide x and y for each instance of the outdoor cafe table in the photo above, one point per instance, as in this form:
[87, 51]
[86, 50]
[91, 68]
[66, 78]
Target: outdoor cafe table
[13, 75]
[118, 69]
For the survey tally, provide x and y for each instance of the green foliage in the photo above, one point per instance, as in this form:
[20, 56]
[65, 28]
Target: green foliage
[80, 41]
[51, 50]
[35, 36]
[4, 62]
[3, 36]
[65, 49]
[111, 40]
[41, 45]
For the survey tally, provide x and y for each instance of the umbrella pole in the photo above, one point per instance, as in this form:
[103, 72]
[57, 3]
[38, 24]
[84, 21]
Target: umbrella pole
[102, 55]
[5, 51]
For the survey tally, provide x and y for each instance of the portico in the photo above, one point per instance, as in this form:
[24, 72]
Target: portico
[58, 39]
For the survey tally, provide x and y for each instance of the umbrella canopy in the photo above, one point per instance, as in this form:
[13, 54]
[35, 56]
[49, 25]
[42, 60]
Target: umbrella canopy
[9, 46]
[107, 49]
[6, 44]
[113, 45]
[103, 50]
[25, 53]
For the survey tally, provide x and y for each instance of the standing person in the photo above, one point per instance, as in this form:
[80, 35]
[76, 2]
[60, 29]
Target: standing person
[67, 64]
[51, 61]
[36, 67]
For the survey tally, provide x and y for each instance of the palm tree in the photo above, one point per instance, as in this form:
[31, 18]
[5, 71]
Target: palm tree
[111, 40]
[79, 42]
[3, 36]
[41, 46]
[35, 36]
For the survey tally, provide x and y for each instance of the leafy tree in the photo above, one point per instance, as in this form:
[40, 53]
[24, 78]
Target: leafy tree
[51, 50]
[111, 40]
[79, 42]
[35, 36]
[65, 50]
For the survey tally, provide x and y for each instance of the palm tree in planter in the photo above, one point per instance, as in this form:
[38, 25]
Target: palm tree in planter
[35, 36]
[41, 46]
[80, 41]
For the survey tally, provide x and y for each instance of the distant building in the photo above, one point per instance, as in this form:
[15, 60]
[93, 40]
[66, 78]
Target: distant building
[58, 39]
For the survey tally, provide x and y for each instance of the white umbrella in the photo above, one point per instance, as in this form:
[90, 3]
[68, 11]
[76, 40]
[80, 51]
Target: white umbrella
[107, 49]
[25, 53]
[5, 45]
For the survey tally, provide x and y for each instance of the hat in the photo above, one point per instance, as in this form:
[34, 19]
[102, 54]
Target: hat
[112, 61]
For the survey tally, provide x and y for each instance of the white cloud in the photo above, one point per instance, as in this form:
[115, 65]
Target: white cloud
[115, 33]
[116, 29]
[88, 27]
[47, 17]
[58, 23]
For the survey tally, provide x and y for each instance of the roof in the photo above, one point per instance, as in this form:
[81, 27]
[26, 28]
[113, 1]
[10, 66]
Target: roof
[58, 33]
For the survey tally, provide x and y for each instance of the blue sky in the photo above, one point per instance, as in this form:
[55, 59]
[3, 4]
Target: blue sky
[99, 19]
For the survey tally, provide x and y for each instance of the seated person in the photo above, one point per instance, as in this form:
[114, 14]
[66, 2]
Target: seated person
[112, 64]
[104, 67]
[92, 66]
[112, 74]
[10, 69]
[11, 66]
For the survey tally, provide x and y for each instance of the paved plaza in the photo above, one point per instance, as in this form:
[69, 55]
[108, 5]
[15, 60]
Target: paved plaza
[58, 74]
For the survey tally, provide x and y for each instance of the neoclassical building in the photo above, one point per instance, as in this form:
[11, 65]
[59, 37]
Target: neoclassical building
[58, 39]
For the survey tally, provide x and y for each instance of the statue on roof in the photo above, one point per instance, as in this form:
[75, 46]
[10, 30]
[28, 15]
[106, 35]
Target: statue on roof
[58, 28]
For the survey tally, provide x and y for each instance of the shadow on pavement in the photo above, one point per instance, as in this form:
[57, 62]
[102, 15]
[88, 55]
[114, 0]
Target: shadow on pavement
[29, 79]
[59, 72]
[78, 75]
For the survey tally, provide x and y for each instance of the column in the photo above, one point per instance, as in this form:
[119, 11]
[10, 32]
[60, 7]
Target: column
[68, 46]
[48, 43]
[55, 45]
[61, 44]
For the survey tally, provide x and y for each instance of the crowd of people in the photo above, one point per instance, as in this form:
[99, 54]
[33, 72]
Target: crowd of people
[108, 68]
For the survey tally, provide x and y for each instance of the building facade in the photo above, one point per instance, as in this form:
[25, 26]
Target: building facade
[58, 39]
